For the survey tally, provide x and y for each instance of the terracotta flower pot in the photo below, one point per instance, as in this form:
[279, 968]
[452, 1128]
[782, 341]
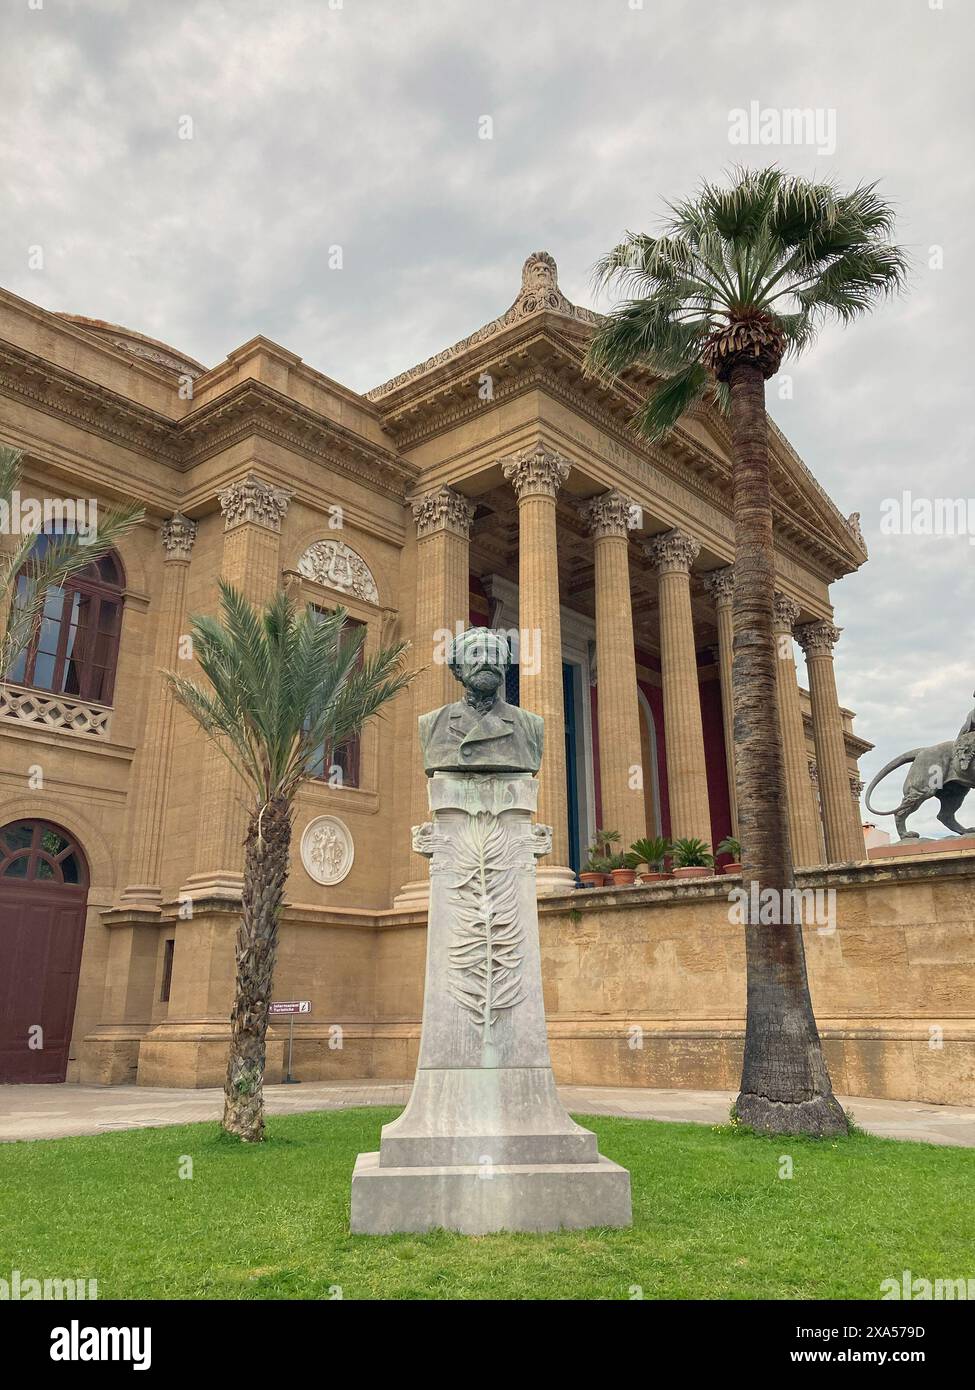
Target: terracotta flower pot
[694, 871]
[654, 876]
[732, 867]
[592, 880]
[622, 877]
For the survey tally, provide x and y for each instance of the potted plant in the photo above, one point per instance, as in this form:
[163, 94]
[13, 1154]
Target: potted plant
[597, 867]
[729, 845]
[652, 851]
[622, 868]
[594, 874]
[692, 859]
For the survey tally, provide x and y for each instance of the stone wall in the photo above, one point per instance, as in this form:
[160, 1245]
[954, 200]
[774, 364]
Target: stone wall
[648, 989]
[645, 986]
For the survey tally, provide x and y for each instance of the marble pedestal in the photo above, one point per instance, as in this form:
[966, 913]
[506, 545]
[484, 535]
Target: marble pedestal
[484, 1143]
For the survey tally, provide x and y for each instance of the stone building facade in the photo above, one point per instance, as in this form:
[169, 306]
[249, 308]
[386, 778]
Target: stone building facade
[493, 484]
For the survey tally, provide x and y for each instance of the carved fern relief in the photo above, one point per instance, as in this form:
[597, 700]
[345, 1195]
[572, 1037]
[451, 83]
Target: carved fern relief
[485, 954]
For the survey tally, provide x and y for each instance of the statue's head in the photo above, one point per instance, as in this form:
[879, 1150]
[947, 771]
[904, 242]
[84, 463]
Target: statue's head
[479, 658]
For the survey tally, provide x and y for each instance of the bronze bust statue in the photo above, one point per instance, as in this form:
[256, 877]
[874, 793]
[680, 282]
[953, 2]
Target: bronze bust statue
[481, 732]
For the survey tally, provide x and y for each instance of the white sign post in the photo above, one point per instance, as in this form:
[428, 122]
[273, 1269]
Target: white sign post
[291, 1007]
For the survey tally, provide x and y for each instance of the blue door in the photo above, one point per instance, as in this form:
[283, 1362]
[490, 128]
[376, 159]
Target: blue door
[511, 694]
[571, 776]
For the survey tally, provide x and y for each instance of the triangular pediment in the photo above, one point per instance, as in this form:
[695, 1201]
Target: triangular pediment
[543, 337]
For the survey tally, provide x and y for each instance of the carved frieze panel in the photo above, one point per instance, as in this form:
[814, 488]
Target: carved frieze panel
[338, 566]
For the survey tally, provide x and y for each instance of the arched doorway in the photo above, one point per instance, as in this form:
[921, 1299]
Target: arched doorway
[43, 896]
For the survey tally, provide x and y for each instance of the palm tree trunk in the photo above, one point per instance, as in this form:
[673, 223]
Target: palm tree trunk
[785, 1087]
[266, 855]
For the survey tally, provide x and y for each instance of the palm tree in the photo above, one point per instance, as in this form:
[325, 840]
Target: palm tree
[283, 683]
[740, 277]
[42, 561]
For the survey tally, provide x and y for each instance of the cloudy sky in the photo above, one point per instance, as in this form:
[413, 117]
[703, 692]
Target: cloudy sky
[358, 124]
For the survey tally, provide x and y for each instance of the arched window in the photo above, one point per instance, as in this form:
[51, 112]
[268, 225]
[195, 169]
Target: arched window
[74, 648]
[38, 851]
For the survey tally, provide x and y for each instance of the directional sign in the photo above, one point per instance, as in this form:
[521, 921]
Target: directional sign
[292, 1006]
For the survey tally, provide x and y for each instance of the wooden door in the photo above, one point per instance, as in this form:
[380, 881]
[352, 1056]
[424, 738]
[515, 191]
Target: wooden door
[43, 898]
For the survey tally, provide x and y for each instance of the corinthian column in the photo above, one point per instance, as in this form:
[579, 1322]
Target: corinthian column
[621, 770]
[151, 789]
[536, 477]
[719, 584]
[253, 511]
[443, 525]
[803, 815]
[673, 553]
[817, 641]
[856, 791]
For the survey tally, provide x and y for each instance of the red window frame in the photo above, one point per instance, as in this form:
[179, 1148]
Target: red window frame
[75, 644]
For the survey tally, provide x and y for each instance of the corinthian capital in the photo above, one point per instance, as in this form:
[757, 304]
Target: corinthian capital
[251, 499]
[720, 585]
[610, 514]
[785, 613]
[443, 509]
[819, 637]
[177, 535]
[537, 472]
[672, 552]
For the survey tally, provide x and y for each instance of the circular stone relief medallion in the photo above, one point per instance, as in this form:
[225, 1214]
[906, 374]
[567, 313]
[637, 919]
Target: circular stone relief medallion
[327, 850]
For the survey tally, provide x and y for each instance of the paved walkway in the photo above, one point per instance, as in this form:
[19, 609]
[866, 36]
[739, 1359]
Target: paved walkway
[52, 1112]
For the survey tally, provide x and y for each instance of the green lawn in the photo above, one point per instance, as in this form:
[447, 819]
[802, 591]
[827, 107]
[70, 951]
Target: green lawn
[712, 1218]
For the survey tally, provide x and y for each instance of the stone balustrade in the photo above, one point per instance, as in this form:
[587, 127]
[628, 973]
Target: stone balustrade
[62, 712]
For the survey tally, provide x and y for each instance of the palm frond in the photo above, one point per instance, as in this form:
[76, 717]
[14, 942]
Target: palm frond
[283, 683]
[648, 332]
[851, 285]
[670, 399]
[767, 247]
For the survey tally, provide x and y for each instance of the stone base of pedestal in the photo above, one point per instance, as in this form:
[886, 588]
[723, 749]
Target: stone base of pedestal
[478, 1199]
[509, 1115]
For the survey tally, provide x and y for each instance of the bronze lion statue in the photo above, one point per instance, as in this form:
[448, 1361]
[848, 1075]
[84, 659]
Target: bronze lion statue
[945, 770]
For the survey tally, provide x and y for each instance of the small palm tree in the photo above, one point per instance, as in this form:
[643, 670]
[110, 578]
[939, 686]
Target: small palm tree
[739, 278]
[284, 682]
[651, 850]
[43, 562]
[691, 853]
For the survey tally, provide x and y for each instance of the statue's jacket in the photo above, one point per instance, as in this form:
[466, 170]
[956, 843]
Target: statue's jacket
[456, 738]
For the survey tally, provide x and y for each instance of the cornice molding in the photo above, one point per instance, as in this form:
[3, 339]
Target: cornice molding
[253, 408]
[250, 408]
[93, 407]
